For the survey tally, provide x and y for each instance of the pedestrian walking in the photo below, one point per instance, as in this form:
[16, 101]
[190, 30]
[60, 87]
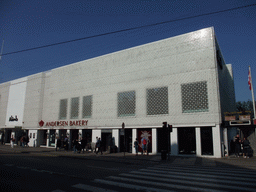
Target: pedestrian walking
[83, 143]
[99, 146]
[22, 141]
[58, 144]
[136, 146]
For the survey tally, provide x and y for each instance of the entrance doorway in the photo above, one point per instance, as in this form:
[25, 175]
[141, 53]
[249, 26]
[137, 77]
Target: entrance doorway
[147, 134]
[87, 133]
[51, 138]
[106, 138]
[42, 137]
[74, 134]
[126, 144]
[187, 140]
[62, 134]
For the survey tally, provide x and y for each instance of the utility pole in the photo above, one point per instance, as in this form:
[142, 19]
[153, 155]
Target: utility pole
[123, 126]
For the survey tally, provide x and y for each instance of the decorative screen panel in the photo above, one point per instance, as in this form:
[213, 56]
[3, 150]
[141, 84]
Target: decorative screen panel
[126, 103]
[74, 108]
[194, 97]
[87, 106]
[157, 101]
[63, 109]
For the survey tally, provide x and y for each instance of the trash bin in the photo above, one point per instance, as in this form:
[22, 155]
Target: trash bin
[164, 154]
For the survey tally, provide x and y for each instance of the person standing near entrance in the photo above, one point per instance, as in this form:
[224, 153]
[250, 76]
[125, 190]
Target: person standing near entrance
[136, 146]
[58, 144]
[237, 145]
[144, 145]
[246, 146]
[83, 143]
[75, 145]
[99, 146]
[66, 143]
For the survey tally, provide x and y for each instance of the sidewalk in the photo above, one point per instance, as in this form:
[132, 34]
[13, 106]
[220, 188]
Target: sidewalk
[71, 154]
[132, 158]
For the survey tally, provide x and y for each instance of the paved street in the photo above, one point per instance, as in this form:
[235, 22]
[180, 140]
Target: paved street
[44, 169]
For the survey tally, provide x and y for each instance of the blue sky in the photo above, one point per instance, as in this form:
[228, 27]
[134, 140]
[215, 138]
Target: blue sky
[32, 23]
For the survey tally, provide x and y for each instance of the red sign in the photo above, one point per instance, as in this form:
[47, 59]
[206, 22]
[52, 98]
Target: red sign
[254, 121]
[230, 118]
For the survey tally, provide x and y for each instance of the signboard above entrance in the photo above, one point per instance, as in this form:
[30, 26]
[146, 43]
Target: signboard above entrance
[63, 123]
[240, 122]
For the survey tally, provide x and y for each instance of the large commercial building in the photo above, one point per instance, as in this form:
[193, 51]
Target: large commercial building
[182, 80]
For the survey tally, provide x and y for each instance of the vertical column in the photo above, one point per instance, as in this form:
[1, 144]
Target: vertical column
[80, 132]
[216, 141]
[198, 142]
[57, 134]
[48, 137]
[95, 133]
[69, 140]
[174, 141]
[115, 135]
[134, 136]
[225, 138]
[154, 141]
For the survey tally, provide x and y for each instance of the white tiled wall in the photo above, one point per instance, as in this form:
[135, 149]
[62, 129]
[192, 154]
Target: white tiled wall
[170, 62]
[16, 101]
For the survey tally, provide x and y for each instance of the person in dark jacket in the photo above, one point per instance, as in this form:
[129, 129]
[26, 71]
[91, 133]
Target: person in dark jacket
[99, 146]
[75, 145]
[83, 143]
[58, 144]
[246, 146]
[136, 146]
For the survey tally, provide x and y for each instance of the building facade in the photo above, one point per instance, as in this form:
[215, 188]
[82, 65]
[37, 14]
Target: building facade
[182, 80]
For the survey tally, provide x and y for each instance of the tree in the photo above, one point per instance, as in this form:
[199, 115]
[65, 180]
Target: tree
[244, 106]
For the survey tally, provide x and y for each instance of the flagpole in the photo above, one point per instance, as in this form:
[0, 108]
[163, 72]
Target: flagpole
[253, 100]
[2, 50]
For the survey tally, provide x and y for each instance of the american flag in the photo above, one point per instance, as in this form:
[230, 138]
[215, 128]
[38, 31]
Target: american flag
[250, 79]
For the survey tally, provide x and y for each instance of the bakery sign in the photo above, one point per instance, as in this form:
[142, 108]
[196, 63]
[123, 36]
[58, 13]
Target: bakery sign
[63, 123]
